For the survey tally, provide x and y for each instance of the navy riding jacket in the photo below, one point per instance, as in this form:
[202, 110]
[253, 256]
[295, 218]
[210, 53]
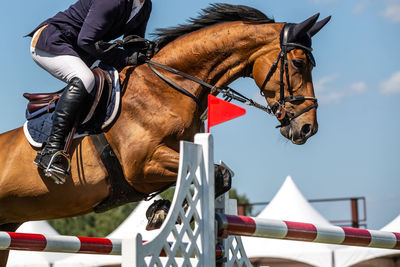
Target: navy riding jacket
[76, 30]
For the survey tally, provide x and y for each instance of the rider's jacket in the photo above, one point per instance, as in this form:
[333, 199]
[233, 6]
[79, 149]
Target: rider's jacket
[76, 30]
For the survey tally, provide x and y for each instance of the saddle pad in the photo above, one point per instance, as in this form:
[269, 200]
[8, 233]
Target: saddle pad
[38, 129]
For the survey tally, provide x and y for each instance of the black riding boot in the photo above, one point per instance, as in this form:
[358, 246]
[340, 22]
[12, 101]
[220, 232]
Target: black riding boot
[65, 115]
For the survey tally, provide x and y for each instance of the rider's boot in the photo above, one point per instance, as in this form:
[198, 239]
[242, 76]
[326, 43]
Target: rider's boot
[52, 158]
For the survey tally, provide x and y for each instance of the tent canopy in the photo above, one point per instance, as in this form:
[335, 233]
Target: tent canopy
[290, 204]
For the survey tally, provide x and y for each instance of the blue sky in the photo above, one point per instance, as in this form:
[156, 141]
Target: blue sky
[357, 80]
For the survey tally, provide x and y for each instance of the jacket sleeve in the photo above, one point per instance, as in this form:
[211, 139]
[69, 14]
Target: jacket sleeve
[98, 22]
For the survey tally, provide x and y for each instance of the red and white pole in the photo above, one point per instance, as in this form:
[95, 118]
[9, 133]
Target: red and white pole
[268, 228]
[67, 244]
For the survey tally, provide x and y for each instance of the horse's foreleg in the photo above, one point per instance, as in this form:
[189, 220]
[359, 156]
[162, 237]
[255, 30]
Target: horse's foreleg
[10, 227]
[161, 170]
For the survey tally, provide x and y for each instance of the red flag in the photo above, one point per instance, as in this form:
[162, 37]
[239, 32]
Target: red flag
[220, 111]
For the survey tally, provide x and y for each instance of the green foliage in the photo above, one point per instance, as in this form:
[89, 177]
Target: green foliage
[93, 224]
[168, 194]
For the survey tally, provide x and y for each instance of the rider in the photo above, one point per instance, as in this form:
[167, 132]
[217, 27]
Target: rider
[65, 46]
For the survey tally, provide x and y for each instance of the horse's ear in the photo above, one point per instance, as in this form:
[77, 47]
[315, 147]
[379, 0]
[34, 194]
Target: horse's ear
[318, 26]
[302, 28]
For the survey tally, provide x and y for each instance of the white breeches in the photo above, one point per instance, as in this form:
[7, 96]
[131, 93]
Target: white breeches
[64, 67]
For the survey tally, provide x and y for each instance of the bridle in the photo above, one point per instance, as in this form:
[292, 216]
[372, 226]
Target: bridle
[279, 108]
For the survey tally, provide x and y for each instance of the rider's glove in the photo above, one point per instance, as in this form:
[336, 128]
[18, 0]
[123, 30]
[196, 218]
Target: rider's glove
[136, 58]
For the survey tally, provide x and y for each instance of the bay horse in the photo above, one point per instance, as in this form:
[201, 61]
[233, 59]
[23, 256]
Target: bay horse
[224, 43]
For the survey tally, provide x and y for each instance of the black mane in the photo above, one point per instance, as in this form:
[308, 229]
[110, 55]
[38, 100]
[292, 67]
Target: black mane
[214, 14]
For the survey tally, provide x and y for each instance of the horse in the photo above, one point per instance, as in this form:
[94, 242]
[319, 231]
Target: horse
[223, 43]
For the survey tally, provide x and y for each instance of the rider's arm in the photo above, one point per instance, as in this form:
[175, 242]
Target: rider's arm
[98, 22]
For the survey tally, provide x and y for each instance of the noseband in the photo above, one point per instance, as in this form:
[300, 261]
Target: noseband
[278, 108]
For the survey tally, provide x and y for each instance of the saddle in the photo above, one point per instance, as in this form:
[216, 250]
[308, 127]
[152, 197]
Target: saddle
[45, 102]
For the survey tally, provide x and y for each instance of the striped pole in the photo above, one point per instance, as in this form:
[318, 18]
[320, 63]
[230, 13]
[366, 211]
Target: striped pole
[68, 244]
[268, 228]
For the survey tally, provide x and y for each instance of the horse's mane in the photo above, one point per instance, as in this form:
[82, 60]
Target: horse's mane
[214, 14]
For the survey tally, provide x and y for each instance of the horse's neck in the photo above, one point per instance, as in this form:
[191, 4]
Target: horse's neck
[222, 53]
[219, 54]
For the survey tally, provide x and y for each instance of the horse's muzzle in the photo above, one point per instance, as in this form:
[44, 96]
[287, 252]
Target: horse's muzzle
[298, 132]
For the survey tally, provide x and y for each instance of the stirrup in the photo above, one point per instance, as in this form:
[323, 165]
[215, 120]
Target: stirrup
[57, 174]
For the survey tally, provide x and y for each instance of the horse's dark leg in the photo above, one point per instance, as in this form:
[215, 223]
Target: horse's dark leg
[10, 227]
[223, 179]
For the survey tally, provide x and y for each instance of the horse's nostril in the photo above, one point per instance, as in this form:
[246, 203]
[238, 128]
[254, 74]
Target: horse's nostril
[306, 130]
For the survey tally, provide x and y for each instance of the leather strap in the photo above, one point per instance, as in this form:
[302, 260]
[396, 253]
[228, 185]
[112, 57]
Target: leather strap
[121, 192]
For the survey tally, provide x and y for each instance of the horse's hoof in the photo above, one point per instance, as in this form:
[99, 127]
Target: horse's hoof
[157, 220]
[157, 213]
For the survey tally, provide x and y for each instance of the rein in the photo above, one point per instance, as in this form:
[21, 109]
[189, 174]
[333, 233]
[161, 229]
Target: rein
[227, 92]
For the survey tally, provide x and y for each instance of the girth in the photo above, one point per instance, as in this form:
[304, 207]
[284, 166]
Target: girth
[121, 192]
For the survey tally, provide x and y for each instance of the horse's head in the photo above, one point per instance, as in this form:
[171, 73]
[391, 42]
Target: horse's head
[284, 77]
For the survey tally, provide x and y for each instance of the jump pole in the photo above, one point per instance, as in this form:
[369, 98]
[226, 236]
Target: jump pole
[67, 244]
[298, 231]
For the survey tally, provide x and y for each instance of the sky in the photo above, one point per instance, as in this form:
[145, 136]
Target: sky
[357, 81]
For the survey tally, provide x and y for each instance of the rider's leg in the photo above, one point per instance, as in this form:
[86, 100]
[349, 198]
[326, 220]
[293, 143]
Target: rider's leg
[64, 67]
[65, 114]
[80, 79]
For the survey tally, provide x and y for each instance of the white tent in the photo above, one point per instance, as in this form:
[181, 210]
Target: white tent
[289, 204]
[30, 258]
[135, 223]
[370, 257]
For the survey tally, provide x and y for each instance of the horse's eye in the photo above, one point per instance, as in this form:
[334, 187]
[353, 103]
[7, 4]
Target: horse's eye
[298, 63]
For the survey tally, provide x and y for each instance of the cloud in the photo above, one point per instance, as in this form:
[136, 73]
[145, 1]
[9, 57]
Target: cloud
[330, 98]
[321, 84]
[327, 95]
[389, 9]
[392, 85]
[358, 88]
[392, 11]
[360, 7]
